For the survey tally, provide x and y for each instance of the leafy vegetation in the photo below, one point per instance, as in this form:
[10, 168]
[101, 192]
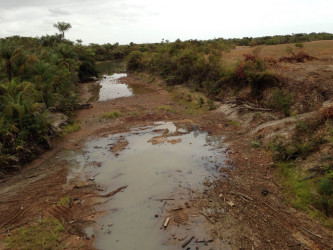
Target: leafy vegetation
[106, 52]
[37, 76]
[70, 128]
[200, 66]
[281, 100]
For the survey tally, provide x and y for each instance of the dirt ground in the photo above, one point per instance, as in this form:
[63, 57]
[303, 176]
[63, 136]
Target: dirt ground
[247, 207]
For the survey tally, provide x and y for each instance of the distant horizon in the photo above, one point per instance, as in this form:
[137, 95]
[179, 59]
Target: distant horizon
[149, 21]
[229, 38]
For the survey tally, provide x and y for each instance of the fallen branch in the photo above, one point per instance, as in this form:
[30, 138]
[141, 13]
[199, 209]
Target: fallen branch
[248, 107]
[242, 195]
[207, 217]
[317, 235]
[163, 206]
[166, 222]
[187, 242]
[271, 207]
[166, 199]
[176, 209]
[113, 192]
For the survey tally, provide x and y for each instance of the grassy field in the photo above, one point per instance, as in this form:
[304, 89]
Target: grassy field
[320, 49]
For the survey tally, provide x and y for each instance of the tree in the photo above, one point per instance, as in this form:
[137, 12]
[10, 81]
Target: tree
[13, 59]
[62, 27]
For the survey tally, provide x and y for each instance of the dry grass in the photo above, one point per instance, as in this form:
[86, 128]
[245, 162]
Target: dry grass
[320, 49]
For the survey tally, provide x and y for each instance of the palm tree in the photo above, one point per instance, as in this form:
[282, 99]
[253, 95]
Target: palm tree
[12, 58]
[15, 101]
[62, 27]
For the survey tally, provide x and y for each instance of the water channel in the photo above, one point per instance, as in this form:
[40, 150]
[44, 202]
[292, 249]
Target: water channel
[164, 160]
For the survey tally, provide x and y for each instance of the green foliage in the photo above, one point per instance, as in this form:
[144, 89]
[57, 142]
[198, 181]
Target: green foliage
[134, 60]
[112, 115]
[37, 74]
[62, 27]
[281, 101]
[299, 45]
[70, 128]
[44, 235]
[292, 150]
[298, 192]
[201, 101]
[65, 201]
[234, 123]
[281, 39]
[211, 104]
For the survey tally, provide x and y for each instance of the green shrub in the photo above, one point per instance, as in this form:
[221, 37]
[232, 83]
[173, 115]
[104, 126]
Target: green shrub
[325, 189]
[70, 128]
[281, 101]
[134, 60]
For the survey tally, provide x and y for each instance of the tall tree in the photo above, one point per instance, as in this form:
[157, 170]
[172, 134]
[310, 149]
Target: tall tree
[62, 27]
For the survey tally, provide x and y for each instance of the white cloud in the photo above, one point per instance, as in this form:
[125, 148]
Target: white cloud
[139, 21]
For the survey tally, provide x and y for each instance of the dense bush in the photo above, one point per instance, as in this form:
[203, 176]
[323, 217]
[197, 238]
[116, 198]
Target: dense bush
[281, 100]
[36, 74]
[200, 65]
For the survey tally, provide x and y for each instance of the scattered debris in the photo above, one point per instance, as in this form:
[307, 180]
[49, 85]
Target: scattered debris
[207, 217]
[166, 199]
[317, 235]
[114, 192]
[309, 177]
[176, 209]
[187, 242]
[166, 222]
[230, 203]
[270, 207]
[264, 192]
[242, 195]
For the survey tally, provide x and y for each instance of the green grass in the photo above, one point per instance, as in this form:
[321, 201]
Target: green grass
[70, 128]
[65, 201]
[299, 193]
[165, 108]
[234, 123]
[133, 113]
[111, 115]
[44, 235]
[302, 194]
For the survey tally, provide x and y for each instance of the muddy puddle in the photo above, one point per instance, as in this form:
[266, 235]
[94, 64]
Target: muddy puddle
[110, 87]
[163, 167]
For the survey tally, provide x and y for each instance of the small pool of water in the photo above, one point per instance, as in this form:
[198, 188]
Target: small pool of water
[109, 87]
[160, 161]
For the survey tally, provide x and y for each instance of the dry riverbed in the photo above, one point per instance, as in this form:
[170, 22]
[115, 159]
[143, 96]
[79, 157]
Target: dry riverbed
[220, 192]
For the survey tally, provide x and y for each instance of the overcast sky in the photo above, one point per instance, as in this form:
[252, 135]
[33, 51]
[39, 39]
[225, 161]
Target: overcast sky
[140, 21]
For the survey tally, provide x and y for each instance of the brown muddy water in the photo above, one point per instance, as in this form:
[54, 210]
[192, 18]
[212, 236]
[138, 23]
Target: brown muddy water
[160, 161]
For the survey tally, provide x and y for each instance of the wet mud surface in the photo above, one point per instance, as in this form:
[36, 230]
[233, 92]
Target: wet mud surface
[163, 168]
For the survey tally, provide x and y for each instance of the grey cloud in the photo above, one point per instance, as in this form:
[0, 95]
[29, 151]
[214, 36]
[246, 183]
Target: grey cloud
[59, 12]
[15, 4]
